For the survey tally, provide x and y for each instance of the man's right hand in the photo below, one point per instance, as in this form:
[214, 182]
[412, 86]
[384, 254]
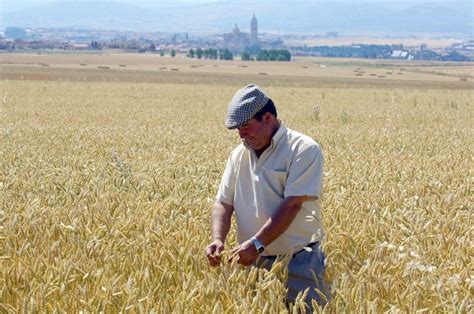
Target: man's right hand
[213, 252]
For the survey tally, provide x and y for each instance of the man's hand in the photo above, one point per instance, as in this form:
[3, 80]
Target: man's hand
[221, 215]
[245, 254]
[213, 252]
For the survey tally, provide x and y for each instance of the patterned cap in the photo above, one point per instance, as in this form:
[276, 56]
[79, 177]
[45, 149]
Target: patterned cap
[244, 105]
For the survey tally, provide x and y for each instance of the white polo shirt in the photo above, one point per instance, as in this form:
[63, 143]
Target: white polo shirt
[291, 166]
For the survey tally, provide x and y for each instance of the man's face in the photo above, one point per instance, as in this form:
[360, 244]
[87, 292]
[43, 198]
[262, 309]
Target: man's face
[256, 134]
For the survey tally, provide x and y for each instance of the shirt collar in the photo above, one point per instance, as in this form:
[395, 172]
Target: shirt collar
[279, 134]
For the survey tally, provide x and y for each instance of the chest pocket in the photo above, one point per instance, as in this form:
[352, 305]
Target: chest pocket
[276, 181]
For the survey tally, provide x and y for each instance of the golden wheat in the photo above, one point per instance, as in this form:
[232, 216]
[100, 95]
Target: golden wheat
[105, 191]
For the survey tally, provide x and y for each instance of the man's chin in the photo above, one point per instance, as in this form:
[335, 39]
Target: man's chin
[249, 144]
[253, 146]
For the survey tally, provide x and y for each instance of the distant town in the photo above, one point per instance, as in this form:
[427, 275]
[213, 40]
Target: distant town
[227, 46]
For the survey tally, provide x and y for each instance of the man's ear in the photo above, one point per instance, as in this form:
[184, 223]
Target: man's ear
[267, 117]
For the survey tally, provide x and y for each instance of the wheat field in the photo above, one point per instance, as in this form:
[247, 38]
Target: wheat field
[106, 188]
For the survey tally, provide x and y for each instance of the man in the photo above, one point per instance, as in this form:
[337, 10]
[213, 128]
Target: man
[273, 183]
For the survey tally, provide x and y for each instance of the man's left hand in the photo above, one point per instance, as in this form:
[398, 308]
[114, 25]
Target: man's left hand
[245, 254]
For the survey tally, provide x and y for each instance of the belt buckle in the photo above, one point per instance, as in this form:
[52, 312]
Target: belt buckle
[310, 245]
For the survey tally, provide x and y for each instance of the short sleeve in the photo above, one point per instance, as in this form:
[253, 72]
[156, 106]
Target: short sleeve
[305, 174]
[226, 190]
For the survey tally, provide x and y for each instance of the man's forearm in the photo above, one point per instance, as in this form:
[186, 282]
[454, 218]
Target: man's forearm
[281, 219]
[221, 220]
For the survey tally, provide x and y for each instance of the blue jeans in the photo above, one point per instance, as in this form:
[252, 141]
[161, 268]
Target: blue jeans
[305, 270]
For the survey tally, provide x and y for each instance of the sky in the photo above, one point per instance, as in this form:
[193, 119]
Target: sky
[13, 5]
[8, 7]
[160, 3]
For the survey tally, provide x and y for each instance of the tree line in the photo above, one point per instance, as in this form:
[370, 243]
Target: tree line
[359, 51]
[226, 54]
[379, 52]
[210, 53]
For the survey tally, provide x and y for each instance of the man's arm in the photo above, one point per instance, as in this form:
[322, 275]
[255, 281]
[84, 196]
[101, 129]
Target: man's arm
[280, 220]
[220, 225]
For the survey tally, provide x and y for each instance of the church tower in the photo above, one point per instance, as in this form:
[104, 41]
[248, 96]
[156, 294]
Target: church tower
[253, 31]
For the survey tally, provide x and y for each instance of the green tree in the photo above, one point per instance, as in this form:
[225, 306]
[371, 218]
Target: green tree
[245, 56]
[274, 55]
[95, 45]
[199, 53]
[285, 55]
[225, 54]
[173, 53]
[455, 56]
[191, 53]
[212, 53]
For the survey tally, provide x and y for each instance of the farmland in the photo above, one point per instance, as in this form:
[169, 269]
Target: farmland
[109, 164]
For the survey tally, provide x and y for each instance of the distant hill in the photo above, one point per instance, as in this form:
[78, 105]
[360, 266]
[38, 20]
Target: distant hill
[282, 16]
[100, 15]
[433, 18]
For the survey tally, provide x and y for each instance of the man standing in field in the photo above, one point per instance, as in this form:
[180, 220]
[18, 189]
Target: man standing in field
[273, 183]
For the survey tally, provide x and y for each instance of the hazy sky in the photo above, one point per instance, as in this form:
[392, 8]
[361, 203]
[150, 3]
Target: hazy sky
[224, 20]
[12, 5]
[7, 3]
